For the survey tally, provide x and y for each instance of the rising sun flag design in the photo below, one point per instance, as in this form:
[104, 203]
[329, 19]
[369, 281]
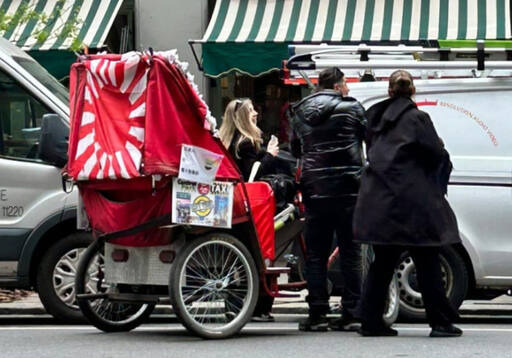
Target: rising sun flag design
[112, 147]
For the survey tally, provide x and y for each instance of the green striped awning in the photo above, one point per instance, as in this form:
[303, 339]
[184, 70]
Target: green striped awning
[94, 17]
[265, 27]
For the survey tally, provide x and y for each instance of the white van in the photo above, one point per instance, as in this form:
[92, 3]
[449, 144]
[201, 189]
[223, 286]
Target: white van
[39, 243]
[471, 115]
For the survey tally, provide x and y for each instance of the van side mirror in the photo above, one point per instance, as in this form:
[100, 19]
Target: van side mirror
[53, 145]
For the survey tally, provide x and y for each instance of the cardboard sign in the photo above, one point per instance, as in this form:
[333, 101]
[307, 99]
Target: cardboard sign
[198, 165]
[202, 204]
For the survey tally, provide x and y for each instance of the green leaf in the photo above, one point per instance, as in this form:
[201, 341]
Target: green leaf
[42, 36]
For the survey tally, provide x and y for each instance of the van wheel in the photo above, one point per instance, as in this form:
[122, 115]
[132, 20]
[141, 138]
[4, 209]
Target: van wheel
[56, 276]
[455, 279]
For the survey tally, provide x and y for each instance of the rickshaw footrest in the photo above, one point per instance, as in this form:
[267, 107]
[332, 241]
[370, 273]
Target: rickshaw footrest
[121, 297]
[133, 297]
[287, 295]
[292, 285]
[276, 270]
[91, 296]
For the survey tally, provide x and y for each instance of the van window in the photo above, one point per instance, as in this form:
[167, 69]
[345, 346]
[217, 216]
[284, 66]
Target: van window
[44, 78]
[20, 120]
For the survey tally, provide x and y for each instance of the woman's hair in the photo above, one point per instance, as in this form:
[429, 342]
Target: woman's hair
[329, 77]
[237, 116]
[401, 84]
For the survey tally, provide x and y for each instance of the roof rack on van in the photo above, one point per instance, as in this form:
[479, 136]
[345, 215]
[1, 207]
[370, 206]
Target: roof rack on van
[316, 57]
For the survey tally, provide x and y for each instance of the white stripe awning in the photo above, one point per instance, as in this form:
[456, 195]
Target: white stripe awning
[92, 19]
[357, 20]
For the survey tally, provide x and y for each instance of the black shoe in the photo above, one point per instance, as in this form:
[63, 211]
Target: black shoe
[263, 317]
[381, 332]
[344, 323]
[314, 324]
[445, 331]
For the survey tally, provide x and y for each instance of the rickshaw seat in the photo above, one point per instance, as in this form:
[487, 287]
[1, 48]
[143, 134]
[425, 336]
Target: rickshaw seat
[122, 204]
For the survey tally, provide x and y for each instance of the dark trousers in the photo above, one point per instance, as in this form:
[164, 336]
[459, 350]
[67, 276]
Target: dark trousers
[426, 259]
[323, 219]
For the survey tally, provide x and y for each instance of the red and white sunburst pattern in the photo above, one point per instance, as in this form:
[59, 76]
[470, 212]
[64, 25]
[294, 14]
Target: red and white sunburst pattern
[111, 132]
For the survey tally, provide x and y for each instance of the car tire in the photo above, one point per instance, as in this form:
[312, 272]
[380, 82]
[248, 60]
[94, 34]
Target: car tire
[455, 279]
[56, 276]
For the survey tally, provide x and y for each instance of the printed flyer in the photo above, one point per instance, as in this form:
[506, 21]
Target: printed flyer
[198, 164]
[202, 204]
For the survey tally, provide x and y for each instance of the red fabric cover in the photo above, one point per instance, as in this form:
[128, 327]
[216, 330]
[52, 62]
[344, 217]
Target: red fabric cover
[108, 100]
[175, 116]
[115, 210]
[239, 209]
[130, 116]
[262, 202]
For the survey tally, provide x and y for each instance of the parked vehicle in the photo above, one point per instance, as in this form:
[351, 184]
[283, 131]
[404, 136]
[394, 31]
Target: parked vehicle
[468, 98]
[39, 243]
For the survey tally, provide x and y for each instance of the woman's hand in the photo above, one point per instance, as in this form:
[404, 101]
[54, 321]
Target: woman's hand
[273, 146]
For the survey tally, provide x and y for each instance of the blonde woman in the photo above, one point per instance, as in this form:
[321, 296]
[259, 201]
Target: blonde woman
[240, 134]
[242, 137]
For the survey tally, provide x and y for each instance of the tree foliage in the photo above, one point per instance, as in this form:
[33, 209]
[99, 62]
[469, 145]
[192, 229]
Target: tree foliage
[46, 27]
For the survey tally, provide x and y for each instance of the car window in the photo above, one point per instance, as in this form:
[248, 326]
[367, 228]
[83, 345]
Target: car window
[20, 120]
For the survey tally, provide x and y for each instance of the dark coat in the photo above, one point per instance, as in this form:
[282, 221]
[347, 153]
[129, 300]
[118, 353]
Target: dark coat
[248, 154]
[328, 131]
[401, 200]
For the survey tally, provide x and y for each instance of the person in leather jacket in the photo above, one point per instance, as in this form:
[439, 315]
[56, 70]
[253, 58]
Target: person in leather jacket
[328, 131]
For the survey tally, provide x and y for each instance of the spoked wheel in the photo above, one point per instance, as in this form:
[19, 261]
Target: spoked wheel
[214, 286]
[104, 314]
[392, 307]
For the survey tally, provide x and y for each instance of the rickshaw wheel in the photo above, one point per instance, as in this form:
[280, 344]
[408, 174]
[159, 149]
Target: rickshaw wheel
[104, 314]
[214, 285]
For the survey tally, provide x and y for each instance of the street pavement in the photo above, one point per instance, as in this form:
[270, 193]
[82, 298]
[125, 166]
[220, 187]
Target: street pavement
[279, 339]
[27, 331]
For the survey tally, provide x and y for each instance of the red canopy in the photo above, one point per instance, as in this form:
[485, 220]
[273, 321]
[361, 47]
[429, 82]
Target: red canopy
[131, 113]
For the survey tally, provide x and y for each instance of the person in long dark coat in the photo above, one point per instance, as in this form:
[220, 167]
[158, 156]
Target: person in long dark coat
[401, 206]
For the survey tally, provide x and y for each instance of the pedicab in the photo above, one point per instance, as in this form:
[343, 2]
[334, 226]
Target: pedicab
[173, 221]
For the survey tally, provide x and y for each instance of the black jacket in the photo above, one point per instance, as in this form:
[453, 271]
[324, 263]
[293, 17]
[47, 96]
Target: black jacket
[247, 155]
[401, 200]
[328, 131]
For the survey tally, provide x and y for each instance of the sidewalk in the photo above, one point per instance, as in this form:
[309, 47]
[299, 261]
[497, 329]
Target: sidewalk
[31, 305]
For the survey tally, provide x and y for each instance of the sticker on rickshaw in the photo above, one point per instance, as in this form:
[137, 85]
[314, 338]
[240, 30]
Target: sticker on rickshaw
[202, 204]
[198, 165]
